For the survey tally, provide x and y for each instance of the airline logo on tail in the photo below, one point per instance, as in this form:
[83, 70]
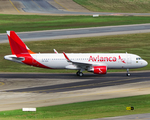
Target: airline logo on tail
[20, 50]
[17, 45]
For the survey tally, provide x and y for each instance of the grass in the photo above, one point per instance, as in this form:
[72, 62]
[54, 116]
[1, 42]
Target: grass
[20, 23]
[122, 6]
[132, 43]
[84, 110]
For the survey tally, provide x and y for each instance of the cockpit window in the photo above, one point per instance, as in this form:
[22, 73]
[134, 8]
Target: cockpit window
[138, 58]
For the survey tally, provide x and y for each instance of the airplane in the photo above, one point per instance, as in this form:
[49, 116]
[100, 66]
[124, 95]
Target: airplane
[98, 63]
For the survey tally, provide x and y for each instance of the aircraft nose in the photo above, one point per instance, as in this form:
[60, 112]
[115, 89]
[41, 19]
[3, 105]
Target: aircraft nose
[145, 63]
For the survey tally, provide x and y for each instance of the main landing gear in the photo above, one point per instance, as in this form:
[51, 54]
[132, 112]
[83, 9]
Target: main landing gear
[79, 73]
[128, 74]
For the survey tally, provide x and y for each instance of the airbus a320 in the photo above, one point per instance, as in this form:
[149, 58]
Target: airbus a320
[98, 63]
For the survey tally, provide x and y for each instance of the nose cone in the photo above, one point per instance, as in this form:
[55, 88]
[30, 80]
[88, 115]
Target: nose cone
[145, 63]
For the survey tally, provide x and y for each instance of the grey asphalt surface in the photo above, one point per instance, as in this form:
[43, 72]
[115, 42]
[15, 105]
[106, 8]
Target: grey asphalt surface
[91, 81]
[38, 6]
[99, 83]
[42, 6]
[79, 32]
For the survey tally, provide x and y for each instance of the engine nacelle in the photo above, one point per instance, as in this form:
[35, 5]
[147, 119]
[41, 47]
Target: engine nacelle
[100, 69]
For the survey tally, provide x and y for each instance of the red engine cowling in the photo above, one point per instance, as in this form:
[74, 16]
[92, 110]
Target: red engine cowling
[100, 69]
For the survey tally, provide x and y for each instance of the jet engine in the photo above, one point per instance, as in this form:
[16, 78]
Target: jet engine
[100, 69]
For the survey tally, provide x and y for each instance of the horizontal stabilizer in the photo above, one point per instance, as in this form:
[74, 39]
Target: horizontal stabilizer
[14, 58]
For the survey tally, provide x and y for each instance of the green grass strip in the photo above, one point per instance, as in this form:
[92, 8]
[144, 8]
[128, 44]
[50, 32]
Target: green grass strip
[133, 43]
[84, 110]
[122, 6]
[20, 23]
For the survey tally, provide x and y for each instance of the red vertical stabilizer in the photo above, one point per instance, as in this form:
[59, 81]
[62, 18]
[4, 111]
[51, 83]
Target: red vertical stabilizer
[17, 45]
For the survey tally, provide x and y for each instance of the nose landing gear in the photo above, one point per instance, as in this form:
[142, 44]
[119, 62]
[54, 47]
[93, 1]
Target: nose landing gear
[128, 74]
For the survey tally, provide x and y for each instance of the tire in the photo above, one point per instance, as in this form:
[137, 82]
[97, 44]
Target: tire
[128, 74]
[80, 74]
[77, 73]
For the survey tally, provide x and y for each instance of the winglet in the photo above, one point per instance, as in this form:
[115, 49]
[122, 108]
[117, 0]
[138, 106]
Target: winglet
[55, 51]
[66, 57]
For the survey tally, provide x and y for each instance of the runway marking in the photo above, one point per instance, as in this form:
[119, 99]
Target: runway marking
[93, 84]
[102, 83]
[1, 83]
[14, 6]
[61, 5]
[37, 5]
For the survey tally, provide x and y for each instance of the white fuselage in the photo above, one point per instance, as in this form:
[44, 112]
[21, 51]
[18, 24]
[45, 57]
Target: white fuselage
[111, 60]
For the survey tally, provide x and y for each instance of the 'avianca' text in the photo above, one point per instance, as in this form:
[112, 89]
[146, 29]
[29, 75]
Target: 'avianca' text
[102, 59]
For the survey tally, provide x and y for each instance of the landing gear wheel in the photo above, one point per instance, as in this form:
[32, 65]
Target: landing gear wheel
[128, 74]
[80, 74]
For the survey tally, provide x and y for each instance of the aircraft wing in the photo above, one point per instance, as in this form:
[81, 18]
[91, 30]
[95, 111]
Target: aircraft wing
[79, 64]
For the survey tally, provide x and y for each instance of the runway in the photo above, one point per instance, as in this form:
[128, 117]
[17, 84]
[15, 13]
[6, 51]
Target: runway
[55, 7]
[45, 7]
[89, 81]
[79, 32]
[19, 90]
